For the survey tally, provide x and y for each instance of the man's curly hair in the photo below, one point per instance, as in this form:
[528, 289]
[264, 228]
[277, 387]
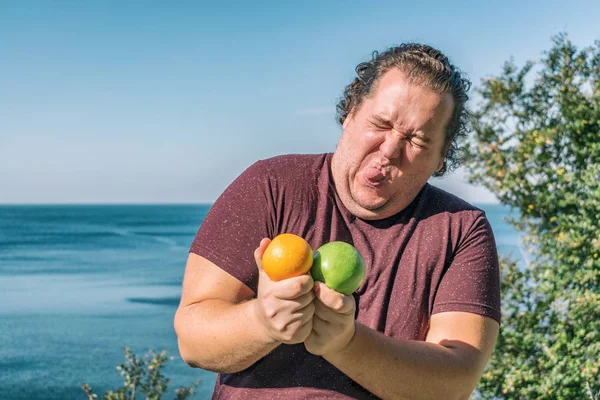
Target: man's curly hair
[425, 66]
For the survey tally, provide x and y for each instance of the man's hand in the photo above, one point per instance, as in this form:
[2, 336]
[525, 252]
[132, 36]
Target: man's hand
[333, 322]
[285, 309]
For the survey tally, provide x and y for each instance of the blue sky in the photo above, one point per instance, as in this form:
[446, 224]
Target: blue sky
[118, 102]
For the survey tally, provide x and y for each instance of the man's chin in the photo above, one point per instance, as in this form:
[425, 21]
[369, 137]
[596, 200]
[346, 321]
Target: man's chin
[370, 204]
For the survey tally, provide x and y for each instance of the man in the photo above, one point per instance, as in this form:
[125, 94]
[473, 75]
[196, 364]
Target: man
[424, 322]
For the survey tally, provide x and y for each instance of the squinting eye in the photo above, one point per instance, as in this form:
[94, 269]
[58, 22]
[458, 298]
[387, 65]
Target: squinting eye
[417, 143]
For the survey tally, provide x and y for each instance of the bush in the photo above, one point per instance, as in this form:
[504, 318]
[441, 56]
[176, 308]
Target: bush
[537, 147]
[143, 376]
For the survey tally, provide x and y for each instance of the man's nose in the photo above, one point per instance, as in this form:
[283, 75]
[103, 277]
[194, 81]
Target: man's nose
[392, 145]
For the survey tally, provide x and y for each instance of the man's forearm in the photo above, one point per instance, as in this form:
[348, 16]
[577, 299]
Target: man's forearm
[221, 337]
[396, 369]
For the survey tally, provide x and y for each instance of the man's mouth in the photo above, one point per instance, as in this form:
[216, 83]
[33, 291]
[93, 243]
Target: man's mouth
[374, 177]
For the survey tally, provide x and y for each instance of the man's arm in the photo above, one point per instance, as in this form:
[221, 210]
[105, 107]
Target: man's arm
[222, 327]
[215, 318]
[447, 365]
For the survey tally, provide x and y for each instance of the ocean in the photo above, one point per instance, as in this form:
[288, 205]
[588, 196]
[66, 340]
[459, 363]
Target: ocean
[80, 282]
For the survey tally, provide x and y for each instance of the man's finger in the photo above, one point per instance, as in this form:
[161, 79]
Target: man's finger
[306, 314]
[260, 250]
[304, 300]
[320, 326]
[325, 313]
[334, 300]
[292, 288]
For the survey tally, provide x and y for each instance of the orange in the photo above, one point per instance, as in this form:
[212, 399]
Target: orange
[287, 255]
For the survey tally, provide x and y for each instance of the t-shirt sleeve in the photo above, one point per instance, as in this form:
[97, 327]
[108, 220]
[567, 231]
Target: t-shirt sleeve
[472, 282]
[236, 223]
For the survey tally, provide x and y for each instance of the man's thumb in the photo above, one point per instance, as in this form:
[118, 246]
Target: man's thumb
[260, 251]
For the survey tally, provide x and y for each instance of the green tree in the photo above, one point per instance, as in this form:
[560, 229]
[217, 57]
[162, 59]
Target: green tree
[537, 147]
[142, 376]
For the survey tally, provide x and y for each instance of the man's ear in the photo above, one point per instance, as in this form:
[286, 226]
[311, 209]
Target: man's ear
[441, 164]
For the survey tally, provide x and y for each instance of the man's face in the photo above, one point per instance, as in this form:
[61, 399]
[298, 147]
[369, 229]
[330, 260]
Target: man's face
[390, 147]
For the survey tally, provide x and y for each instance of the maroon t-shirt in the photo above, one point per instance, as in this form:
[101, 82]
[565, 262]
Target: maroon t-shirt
[436, 255]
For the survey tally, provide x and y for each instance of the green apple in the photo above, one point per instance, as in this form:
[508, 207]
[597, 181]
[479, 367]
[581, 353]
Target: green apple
[340, 266]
